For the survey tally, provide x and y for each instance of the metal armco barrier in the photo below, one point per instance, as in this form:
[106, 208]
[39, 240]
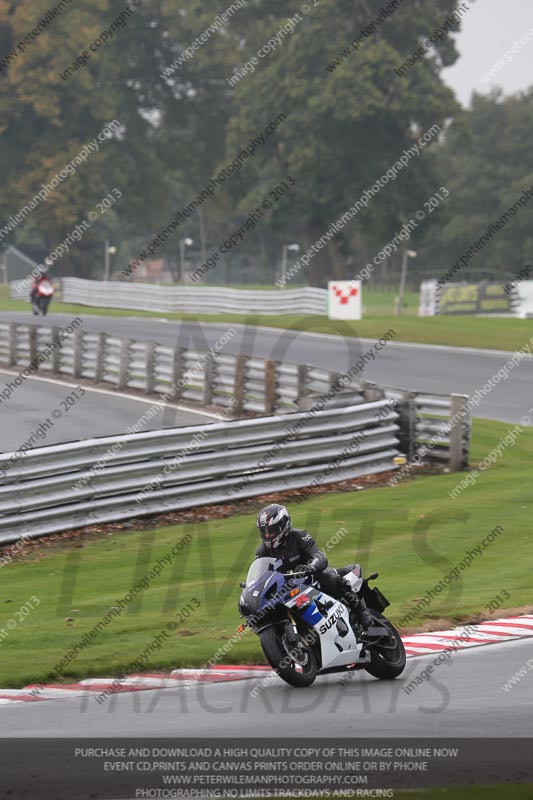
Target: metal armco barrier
[52, 489]
[439, 426]
[193, 299]
[239, 381]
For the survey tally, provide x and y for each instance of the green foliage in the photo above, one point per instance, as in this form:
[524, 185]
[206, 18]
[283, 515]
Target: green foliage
[488, 162]
[174, 131]
[344, 128]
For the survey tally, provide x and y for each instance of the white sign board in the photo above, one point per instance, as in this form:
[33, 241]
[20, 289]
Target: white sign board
[429, 299]
[524, 307]
[344, 300]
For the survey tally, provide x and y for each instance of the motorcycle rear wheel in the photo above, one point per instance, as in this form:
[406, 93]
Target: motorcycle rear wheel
[387, 656]
[290, 671]
[45, 302]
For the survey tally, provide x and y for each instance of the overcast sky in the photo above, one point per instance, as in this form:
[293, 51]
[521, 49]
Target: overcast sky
[488, 30]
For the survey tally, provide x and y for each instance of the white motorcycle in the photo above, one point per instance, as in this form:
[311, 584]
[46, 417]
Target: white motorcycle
[305, 632]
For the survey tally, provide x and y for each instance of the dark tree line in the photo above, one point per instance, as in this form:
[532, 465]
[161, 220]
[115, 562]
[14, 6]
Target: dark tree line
[179, 128]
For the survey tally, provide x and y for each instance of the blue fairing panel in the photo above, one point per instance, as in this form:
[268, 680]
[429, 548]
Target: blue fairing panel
[311, 614]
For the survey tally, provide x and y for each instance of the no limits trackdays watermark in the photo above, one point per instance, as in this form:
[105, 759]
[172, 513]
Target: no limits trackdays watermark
[344, 381]
[361, 690]
[141, 585]
[467, 632]
[509, 440]
[453, 575]
[155, 408]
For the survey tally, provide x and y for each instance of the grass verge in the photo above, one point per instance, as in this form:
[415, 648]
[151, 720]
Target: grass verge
[413, 534]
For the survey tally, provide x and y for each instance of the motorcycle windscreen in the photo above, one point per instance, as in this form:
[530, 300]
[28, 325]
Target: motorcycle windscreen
[257, 568]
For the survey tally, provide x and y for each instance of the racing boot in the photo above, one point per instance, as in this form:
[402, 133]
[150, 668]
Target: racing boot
[356, 606]
[363, 615]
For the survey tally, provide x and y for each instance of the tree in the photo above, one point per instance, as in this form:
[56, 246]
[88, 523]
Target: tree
[488, 164]
[345, 127]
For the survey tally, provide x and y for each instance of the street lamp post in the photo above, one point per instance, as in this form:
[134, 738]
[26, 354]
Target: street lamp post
[186, 242]
[399, 300]
[284, 257]
[4, 268]
[110, 250]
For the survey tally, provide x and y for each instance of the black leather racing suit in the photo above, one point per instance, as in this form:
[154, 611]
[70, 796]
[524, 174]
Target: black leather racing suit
[300, 548]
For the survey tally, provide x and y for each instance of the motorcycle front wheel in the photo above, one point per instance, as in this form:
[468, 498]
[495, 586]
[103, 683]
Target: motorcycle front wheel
[295, 663]
[388, 654]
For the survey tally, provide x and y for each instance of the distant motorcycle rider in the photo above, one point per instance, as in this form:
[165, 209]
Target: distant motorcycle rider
[36, 280]
[297, 549]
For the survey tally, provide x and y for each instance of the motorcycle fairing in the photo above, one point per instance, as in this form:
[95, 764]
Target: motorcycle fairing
[338, 644]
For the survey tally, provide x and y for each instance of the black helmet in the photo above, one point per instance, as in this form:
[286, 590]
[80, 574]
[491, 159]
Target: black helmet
[274, 523]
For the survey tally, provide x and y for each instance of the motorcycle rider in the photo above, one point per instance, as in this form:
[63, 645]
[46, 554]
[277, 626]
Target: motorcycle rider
[36, 280]
[297, 549]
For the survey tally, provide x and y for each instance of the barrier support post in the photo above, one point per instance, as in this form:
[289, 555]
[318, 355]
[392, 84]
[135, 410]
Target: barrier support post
[99, 367]
[406, 408]
[12, 346]
[458, 412]
[302, 382]
[209, 377]
[77, 353]
[178, 361]
[150, 367]
[56, 352]
[270, 386]
[124, 366]
[372, 392]
[32, 336]
[241, 362]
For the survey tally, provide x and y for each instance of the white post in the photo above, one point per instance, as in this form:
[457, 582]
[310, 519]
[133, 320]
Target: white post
[399, 300]
[284, 262]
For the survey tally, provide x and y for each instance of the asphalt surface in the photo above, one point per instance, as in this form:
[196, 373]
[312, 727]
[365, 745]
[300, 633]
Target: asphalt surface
[462, 698]
[423, 368]
[37, 414]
